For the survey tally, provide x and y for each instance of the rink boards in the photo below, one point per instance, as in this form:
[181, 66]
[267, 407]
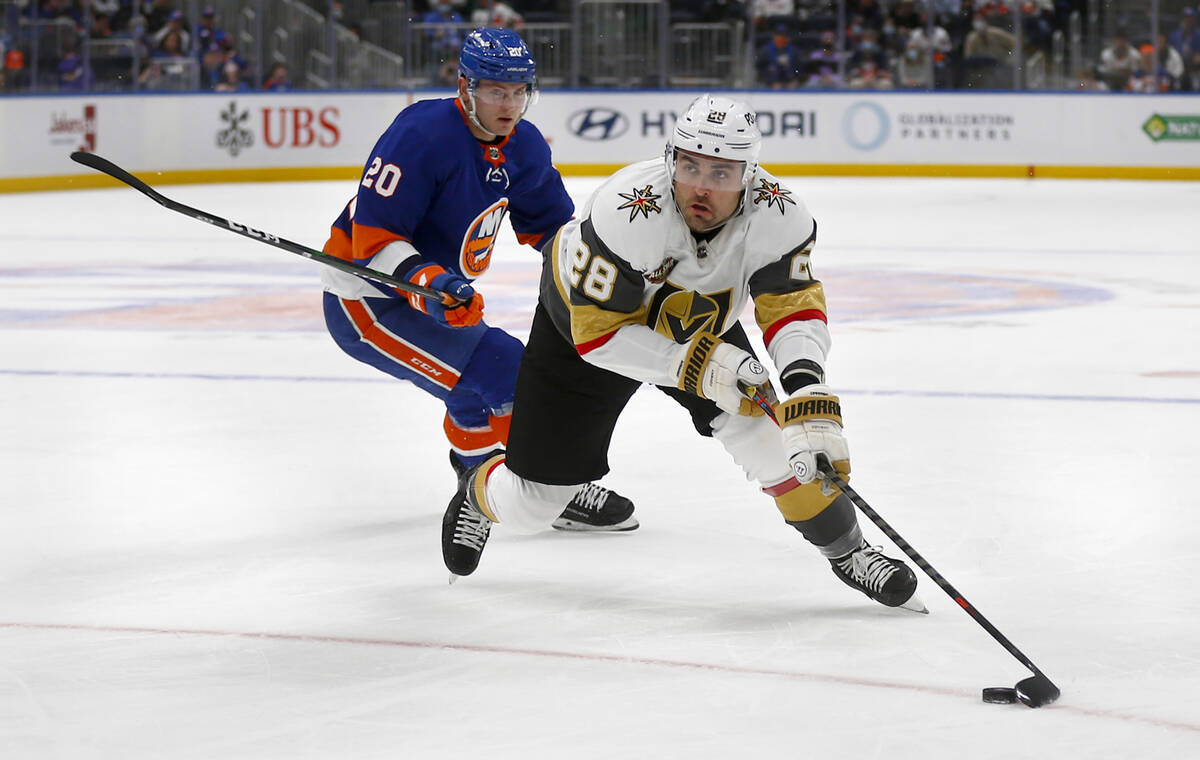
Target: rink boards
[326, 135]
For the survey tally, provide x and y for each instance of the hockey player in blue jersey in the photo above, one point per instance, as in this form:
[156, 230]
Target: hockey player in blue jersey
[433, 195]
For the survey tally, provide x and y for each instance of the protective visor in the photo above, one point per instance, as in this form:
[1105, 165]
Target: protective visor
[498, 94]
[708, 172]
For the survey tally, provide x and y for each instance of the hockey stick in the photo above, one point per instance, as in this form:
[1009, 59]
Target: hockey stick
[1035, 691]
[105, 166]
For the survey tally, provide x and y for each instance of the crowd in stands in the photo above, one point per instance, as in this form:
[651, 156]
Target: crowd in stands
[171, 55]
[942, 44]
[967, 44]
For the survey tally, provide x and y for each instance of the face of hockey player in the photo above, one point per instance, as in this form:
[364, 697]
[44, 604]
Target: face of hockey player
[707, 190]
[498, 105]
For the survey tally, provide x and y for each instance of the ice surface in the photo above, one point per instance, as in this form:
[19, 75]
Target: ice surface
[219, 534]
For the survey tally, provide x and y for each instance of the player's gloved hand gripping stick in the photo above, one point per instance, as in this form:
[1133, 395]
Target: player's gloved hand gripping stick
[1035, 691]
[105, 166]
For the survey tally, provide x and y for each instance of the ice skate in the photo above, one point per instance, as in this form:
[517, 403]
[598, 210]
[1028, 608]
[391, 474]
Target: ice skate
[594, 509]
[888, 581]
[465, 530]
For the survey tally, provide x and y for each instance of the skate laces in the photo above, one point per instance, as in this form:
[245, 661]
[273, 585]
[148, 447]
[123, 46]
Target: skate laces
[868, 567]
[471, 528]
[591, 497]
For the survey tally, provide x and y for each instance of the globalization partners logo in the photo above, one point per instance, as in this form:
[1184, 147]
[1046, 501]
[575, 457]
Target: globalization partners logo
[1160, 128]
[598, 124]
[866, 125]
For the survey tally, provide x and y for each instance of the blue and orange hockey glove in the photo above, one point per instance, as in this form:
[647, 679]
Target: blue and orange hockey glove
[465, 314]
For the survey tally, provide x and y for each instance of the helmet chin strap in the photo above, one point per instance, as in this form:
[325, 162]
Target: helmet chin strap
[470, 109]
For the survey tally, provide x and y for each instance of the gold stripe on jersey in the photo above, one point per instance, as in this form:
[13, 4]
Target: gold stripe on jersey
[804, 502]
[591, 323]
[588, 322]
[770, 308]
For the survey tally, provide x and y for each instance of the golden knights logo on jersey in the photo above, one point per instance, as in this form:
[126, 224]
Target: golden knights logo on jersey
[641, 201]
[681, 314]
[772, 194]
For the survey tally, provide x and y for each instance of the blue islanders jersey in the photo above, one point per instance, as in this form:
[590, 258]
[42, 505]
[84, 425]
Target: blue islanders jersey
[430, 183]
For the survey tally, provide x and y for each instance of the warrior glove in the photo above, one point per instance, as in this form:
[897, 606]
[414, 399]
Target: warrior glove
[811, 423]
[469, 310]
[722, 373]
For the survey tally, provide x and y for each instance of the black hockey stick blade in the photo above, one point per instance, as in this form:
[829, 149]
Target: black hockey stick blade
[104, 166]
[1037, 690]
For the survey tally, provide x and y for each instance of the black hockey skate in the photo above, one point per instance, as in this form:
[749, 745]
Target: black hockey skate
[465, 529]
[594, 509]
[888, 581]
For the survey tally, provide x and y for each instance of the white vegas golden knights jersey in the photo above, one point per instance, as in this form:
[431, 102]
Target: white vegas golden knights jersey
[630, 286]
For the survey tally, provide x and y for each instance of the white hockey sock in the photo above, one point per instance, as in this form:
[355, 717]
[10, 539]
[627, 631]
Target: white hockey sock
[523, 506]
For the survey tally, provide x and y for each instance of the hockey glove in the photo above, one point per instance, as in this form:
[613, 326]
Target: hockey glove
[718, 371]
[465, 314]
[811, 423]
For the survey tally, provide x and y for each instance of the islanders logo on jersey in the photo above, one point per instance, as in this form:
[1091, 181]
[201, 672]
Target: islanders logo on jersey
[480, 238]
[682, 314]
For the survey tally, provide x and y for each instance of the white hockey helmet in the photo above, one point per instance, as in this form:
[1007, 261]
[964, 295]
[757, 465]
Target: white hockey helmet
[717, 126]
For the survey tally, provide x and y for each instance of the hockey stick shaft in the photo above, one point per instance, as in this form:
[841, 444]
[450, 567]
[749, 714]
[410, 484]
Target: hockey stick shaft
[833, 476]
[103, 165]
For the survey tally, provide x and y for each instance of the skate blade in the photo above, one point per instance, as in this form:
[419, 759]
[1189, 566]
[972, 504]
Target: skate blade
[453, 578]
[573, 526]
[915, 604]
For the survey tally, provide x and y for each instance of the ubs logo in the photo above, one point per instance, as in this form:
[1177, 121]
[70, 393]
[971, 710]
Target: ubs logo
[598, 124]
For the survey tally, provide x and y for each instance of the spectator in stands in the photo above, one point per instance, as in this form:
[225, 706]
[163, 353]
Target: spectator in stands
[1186, 41]
[893, 39]
[231, 79]
[869, 50]
[73, 76]
[1118, 61]
[988, 41]
[443, 37]
[915, 69]
[937, 46]
[174, 26]
[277, 80]
[825, 78]
[1037, 26]
[14, 70]
[101, 27]
[826, 55]
[1161, 76]
[940, 41]
[985, 49]
[868, 76]
[206, 30]
[156, 13]
[492, 13]
[779, 61]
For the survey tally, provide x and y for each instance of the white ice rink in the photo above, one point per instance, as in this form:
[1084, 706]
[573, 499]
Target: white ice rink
[219, 536]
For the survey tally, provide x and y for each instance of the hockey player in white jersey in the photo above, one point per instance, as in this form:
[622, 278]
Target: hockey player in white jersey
[647, 286]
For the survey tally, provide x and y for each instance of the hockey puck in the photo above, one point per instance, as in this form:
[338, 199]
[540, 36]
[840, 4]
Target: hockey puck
[1000, 695]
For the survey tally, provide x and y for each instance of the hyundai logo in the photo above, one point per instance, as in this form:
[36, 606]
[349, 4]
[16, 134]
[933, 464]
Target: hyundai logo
[598, 124]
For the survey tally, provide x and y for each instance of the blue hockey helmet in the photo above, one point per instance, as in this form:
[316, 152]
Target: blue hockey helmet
[498, 55]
